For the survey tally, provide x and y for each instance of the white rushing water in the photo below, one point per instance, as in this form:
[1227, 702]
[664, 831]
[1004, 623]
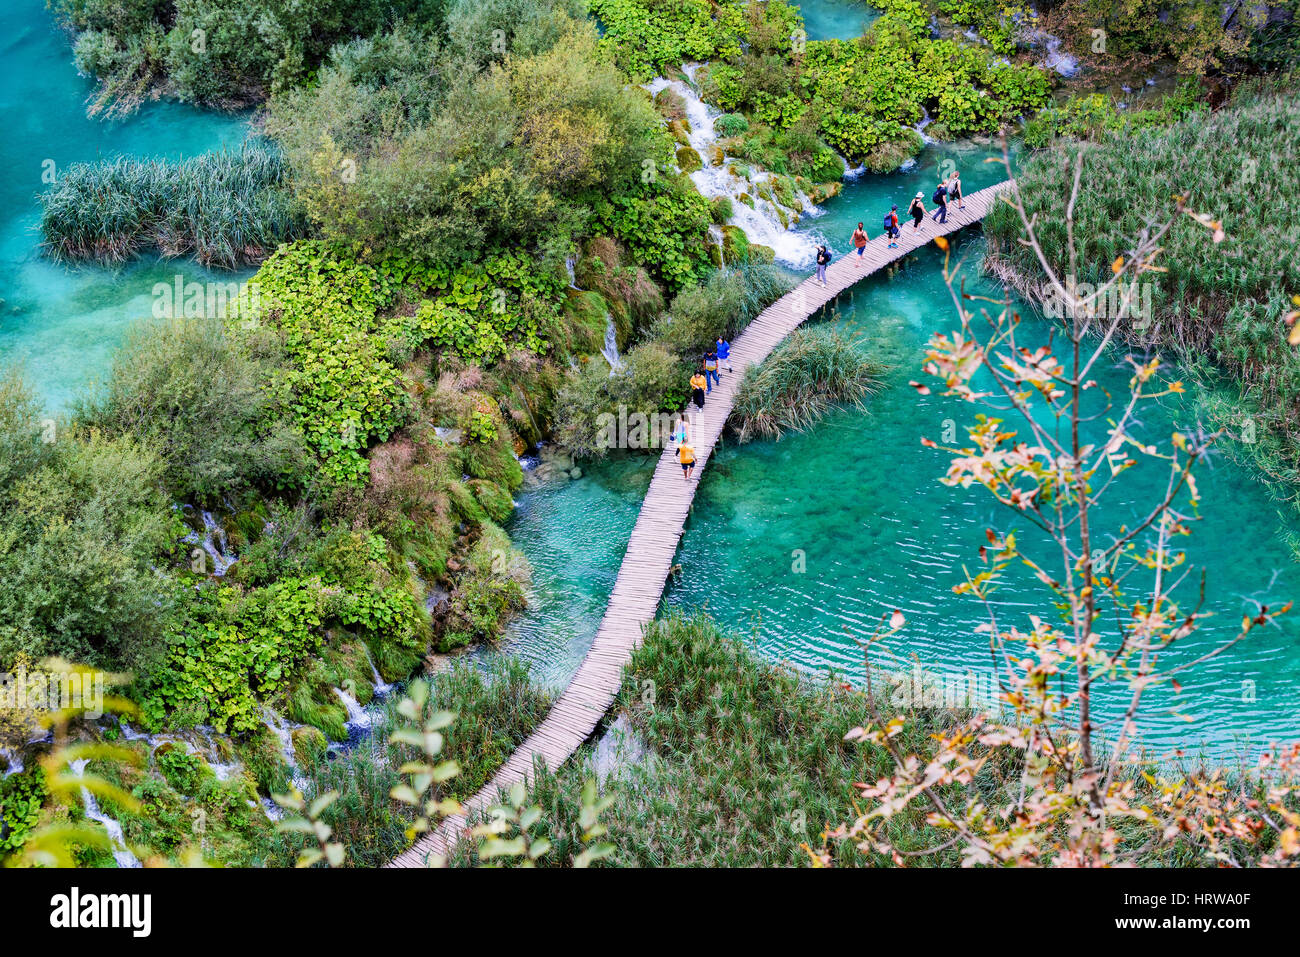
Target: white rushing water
[213, 557]
[761, 224]
[610, 349]
[121, 853]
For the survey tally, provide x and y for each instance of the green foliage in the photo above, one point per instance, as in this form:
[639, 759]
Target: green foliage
[793, 388]
[664, 226]
[724, 729]
[197, 398]
[223, 209]
[652, 380]
[488, 593]
[1096, 115]
[83, 524]
[233, 652]
[21, 797]
[218, 52]
[731, 124]
[646, 35]
[995, 21]
[720, 306]
[495, 711]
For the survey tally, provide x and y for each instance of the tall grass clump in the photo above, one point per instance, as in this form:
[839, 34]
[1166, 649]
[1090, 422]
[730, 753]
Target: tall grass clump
[225, 209]
[1225, 300]
[813, 370]
[496, 709]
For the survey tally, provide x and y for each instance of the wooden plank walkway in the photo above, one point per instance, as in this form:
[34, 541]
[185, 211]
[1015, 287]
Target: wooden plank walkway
[659, 527]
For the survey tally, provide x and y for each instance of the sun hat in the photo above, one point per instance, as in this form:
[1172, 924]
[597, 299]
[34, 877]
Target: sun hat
[920, 195]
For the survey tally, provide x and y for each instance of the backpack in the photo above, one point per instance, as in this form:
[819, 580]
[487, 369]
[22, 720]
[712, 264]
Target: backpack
[938, 196]
[889, 221]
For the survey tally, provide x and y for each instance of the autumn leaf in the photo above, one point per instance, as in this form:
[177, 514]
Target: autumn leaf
[923, 389]
[1117, 265]
[941, 242]
[896, 620]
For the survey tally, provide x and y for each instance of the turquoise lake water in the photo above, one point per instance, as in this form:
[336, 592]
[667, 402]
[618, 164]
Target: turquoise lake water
[836, 19]
[859, 497]
[62, 323]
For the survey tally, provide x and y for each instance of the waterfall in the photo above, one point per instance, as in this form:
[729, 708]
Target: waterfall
[213, 542]
[762, 223]
[926, 120]
[610, 349]
[570, 262]
[282, 730]
[121, 853]
[359, 719]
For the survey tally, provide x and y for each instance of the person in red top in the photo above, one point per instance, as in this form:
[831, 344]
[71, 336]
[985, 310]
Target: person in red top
[859, 243]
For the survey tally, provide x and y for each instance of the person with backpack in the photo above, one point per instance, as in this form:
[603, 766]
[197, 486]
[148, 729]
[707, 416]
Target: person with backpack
[711, 376]
[823, 260]
[917, 209]
[954, 189]
[724, 353]
[891, 226]
[940, 200]
[860, 244]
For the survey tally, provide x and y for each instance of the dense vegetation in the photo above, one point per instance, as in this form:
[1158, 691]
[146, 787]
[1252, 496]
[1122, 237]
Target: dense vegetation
[859, 97]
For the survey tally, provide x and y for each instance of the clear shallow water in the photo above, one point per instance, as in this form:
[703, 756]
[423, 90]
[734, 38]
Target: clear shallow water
[60, 323]
[836, 19]
[860, 498]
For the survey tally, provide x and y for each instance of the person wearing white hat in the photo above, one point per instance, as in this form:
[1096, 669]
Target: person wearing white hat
[917, 209]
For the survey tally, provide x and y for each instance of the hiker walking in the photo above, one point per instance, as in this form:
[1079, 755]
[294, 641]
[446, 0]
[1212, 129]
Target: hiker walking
[859, 243]
[940, 200]
[917, 209]
[724, 353]
[698, 385]
[686, 456]
[954, 189]
[711, 376]
[891, 226]
[823, 260]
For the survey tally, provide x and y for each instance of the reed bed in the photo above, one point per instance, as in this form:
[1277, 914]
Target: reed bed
[225, 209]
[815, 369]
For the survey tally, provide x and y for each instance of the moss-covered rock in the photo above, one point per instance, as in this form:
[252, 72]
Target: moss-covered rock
[679, 132]
[259, 752]
[585, 315]
[762, 254]
[688, 161]
[890, 155]
[735, 245]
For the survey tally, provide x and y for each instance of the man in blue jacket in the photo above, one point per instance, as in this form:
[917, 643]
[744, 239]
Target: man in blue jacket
[724, 353]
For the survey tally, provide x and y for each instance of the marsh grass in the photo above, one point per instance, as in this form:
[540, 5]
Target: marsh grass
[225, 209]
[815, 369]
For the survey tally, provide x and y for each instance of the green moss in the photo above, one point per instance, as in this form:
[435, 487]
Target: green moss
[259, 752]
[308, 745]
[688, 160]
[735, 245]
[585, 313]
[495, 500]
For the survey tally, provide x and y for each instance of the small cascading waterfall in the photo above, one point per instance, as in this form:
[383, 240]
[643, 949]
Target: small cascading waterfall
[213, 543]
[762, 222]
[610, 349]
[121, 853]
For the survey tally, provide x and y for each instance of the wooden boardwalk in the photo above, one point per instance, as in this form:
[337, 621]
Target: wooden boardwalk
[653, 545]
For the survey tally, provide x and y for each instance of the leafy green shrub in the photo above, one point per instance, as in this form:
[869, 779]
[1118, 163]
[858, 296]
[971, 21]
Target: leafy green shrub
[21, 797]
[199, 399]
[731, 124]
